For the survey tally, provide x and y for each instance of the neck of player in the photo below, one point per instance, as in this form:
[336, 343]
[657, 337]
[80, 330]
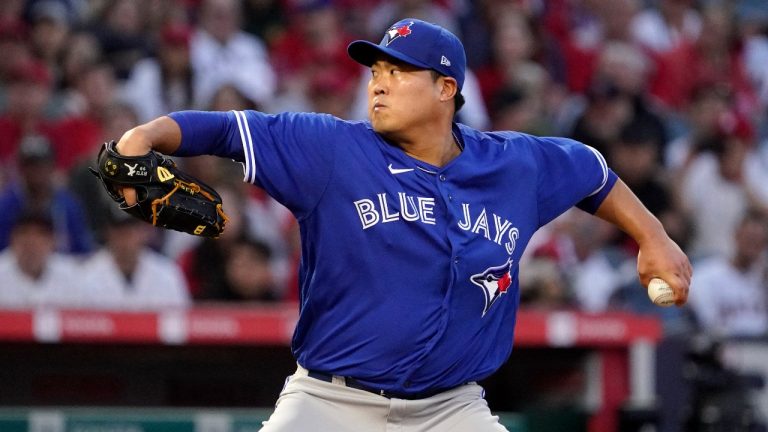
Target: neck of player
[435, 146]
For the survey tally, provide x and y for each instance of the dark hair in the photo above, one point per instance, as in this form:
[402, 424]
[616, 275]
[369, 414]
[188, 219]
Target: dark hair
[756, 215]
[506, 97]
[640, 132]
[458, 99]
[458, 102]
[34, 218]
[257, 246]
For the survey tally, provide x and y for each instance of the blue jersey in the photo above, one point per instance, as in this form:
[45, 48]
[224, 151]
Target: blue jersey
[409, 271]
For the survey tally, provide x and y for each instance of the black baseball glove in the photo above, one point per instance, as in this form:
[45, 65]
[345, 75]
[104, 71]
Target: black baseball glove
[166, 196]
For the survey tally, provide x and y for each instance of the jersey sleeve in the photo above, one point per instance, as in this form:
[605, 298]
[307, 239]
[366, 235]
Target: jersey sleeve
[289, 155]
[570, 174]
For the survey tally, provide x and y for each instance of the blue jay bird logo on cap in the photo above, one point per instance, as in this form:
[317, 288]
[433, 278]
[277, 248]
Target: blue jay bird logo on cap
[494, 281]
[398, 31]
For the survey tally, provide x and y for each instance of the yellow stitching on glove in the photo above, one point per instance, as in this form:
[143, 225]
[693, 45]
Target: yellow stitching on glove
[162, 200]
[192, 188]
[220, 211]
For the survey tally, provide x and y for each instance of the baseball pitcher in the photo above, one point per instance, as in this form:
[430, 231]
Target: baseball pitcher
[412, 229]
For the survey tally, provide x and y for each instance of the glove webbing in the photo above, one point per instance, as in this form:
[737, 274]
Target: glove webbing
[195, 188]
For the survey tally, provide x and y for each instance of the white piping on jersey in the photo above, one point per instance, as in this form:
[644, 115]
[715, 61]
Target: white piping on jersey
[426, 170]
[458, 142]
[603, 165]
[245, 137]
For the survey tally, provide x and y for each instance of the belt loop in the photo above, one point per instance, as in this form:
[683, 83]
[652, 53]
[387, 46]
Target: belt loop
[339, 380]
[301, 371]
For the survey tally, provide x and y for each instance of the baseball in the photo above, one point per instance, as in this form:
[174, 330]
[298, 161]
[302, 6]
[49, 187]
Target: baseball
[661, 293]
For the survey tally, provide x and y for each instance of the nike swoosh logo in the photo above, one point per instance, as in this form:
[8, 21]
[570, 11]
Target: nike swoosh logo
[398, 170]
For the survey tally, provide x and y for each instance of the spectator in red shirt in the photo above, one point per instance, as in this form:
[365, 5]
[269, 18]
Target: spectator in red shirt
[718, 60]
[13, 34]
[668, 33]
[316, 43]
[50, 25]
[513, 46]
[28, 94]
[78, 134]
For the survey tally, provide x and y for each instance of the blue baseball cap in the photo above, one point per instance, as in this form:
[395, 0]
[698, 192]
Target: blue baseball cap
[418, 43]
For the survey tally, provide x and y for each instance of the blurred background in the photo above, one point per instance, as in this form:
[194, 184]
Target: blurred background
[166, 332]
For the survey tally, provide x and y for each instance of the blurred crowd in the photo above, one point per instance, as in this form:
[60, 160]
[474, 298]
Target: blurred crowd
[674, 93]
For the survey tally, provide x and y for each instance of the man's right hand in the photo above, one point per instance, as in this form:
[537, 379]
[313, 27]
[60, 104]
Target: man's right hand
[126, 148]
[162, 134]
[129, 194]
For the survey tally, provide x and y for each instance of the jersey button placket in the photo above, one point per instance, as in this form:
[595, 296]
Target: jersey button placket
[448, 195]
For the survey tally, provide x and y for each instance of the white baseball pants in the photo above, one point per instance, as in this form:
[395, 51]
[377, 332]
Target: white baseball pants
[311, 405]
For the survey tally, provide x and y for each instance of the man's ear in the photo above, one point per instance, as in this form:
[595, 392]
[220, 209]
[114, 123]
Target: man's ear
[449, 88]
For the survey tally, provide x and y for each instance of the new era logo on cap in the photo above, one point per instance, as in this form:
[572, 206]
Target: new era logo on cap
[418, 43]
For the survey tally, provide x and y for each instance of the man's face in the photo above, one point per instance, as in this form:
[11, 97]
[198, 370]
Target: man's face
[32, 245]
[37, 175]
[220, 18]
[751, 241]
[400, 96]
[27, 98]
[128, 239]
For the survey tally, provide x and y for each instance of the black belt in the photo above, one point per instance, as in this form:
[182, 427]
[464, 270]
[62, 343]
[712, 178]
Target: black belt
[353, 383]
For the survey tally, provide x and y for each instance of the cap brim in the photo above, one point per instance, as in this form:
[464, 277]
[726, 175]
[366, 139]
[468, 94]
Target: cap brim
[365, 53]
